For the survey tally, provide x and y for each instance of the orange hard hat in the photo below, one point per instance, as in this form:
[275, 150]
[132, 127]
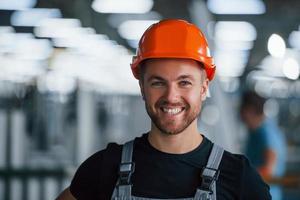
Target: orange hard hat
[173, 38]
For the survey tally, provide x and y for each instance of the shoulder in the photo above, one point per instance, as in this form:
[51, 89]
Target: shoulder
[237, 171]
[95, 161]
[88, 177]
[234, 161]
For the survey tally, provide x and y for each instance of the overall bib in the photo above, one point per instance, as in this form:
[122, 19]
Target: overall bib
[206, 191]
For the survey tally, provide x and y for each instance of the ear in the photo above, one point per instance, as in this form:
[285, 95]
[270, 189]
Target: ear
[142, 89]
[204, 89]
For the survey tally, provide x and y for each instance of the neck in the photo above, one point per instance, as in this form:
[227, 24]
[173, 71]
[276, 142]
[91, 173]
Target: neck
[257, 121]
[180, 143]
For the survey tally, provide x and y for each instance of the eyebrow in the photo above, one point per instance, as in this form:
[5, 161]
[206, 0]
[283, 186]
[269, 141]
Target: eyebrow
[155, 77]
[162, 79]
[185, 77]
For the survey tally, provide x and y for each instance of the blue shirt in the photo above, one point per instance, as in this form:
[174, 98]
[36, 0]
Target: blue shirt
[267, 136]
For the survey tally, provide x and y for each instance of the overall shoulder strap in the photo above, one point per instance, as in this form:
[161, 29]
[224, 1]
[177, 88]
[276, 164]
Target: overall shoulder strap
[123, 186]
[209, 176]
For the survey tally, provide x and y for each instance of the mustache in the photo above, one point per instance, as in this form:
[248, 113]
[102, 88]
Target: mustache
[164, 102]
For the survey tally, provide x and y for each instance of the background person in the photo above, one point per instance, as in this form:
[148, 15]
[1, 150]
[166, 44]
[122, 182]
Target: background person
[266, 144]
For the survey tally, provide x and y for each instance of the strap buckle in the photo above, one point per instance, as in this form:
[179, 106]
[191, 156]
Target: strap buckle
[209, 176]
[126, 169]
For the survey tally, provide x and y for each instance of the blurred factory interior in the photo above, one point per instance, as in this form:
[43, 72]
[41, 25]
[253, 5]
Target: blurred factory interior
[66, 88]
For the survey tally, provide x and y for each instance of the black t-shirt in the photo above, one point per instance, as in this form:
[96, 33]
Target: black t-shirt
[163, 175]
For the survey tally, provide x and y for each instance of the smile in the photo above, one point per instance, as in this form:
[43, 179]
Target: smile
[172, 111]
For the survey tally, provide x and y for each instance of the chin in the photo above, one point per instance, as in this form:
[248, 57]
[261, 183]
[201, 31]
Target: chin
[171, 131]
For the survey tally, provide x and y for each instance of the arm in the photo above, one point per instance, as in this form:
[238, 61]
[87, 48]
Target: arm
[270, 160]
[66, 195]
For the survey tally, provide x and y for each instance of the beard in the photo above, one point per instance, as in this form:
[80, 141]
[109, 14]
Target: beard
[173, 127]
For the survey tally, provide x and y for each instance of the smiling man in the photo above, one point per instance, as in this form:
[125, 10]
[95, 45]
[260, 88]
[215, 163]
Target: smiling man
[173, 160]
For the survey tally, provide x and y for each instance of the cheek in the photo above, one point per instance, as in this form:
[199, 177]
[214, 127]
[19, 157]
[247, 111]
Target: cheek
[151, 96]
[193, 97]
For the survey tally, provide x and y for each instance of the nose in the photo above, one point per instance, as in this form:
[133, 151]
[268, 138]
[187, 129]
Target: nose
[172, 94]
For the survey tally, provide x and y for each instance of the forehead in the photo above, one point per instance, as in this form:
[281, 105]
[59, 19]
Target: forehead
[172, 67]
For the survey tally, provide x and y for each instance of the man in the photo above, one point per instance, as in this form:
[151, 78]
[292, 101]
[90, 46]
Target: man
[266, 145]
[173, 160]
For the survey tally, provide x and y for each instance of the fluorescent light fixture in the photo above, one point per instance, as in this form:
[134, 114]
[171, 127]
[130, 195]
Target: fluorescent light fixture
[115, 20]
[294, 39]
[231, 64]
[269, 86]
[272, 66]
[74, 37]
[134, 29]
[12, 39]
[229, 71]
[237, 7]
[16, 4]
[290, 68]
[42, 49]
[122, 6]
[32, 17]
[8, 41]
[230, 84]
[56, 82]
[6, 29]
[262, 87]
[233, 45]
[21, 46]
[18, 67]
[56, 27]
[280, 89]
[235, 31]
[258, 75]
[276, 46]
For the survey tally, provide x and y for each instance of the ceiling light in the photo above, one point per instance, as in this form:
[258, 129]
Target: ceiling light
[42, 48]
[227, 66]
[276, 46]
[234, 45]
[55, 27]
[262, 87]
[115, 20]
[290, 68]
[235, 31]
[32, 17]
[56, 82]
[250, 7]
[134, 29]
[230, 84]
[16, 4]
[6, 29]
[272, 66]
[280, 89]
[122, 6]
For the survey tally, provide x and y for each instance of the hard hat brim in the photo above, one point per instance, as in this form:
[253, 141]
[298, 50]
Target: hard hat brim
[207, 62]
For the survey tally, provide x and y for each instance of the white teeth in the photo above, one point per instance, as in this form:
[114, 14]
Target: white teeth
[172, 111]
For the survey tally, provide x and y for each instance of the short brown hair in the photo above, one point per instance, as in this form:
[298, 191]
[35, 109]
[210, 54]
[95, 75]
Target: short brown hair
[252, 100]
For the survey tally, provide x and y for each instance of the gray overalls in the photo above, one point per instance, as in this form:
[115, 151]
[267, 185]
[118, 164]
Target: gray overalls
[209, 176]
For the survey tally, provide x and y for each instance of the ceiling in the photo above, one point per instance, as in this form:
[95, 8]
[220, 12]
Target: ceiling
[281, 17]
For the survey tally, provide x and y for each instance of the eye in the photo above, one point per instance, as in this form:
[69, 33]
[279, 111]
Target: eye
[157, 83]
[185, 83]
